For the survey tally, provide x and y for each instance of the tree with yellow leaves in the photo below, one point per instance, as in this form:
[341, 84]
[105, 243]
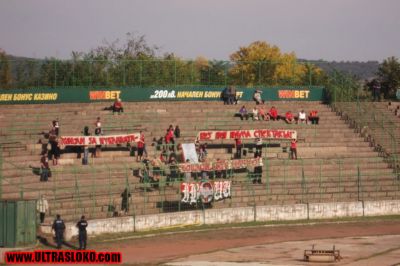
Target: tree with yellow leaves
[264, 64]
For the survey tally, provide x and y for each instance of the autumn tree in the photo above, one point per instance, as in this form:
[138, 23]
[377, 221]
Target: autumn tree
[263, 64]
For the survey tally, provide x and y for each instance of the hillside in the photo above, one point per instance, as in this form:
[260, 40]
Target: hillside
[362, 70]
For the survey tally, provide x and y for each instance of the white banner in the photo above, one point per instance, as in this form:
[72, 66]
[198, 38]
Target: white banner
[98, 140]
[189, 152]
[248, 134]
[205, 191]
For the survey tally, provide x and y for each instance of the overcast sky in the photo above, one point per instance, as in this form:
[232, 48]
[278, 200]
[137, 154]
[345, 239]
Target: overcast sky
[314, 29]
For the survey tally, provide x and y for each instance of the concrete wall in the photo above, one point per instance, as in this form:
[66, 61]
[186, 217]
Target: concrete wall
[335, 210]
[237, 215]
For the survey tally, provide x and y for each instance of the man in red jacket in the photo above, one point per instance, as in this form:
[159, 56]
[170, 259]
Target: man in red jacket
[293, 149]
[289, 118]
[140, 147]
[117, 107]
[273, 113]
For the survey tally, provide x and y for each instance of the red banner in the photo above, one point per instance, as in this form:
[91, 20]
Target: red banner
[219, 165]
[98, 140]
[248, 134]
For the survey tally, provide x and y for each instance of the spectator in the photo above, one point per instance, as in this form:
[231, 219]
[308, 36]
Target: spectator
[261, 114]
[52, 141]
[42, 206]
[117, 106]
[173, 169]
[156, 163]
[255, 113]
[45, 168]
[140, 147]
[232, 95]
[243, 113]
[86, 131]
[58, 227]
[302, 117]
[85, 160]
[293, 149]
[98, 131]
[273, 113]
[125, 201]
[238, 145]
[188, 175]
[82, 224]
[313, 117]
[172, 157]
[144, 171]
[57, 153]
[52, 134]
[259, 146]
[289, 118]
[56, 127]
[202, 152]
[164, 156]
[177, 132]
[257, 97]
[158, 143]
[225, 96]
[257, 174]
[145, 150]
[169, 137]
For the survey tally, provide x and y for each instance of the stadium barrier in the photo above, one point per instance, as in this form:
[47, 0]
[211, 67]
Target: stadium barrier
[84, 94]
[99, 190]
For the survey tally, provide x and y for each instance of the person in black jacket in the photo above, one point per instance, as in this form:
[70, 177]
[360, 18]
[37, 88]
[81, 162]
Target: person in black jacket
[125, 200]
[177, 132]
[82, 224]
[59, 227]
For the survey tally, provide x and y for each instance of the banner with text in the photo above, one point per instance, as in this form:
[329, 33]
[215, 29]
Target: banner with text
[205, 192]
[247, 134]
[98, 140]
[132, 94]
[219, 165]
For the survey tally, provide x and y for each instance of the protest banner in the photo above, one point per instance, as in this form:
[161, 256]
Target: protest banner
[98, 140]
[219, 165]
[247, 134]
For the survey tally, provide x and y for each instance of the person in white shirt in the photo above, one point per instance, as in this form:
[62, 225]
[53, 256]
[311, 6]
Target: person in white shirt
[255, 113]
[302, 117]
[42, 207]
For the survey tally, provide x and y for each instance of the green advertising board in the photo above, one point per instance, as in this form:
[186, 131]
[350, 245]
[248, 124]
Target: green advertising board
[131, 94]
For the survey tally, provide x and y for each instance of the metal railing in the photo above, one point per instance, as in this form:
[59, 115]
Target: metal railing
[29, 73]
[99, 191]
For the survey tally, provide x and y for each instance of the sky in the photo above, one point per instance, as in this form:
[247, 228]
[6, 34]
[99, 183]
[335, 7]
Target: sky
[340, 30]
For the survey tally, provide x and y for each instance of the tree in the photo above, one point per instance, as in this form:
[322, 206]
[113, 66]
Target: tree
[313, 75]
[263, 64]
[5, 70]
[389, 74]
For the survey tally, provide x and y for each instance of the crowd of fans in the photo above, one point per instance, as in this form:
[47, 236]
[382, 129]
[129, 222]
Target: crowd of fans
[153, 169]
[260, 114]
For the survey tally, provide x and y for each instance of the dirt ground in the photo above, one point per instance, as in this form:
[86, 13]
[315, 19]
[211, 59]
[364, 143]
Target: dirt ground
[361, 243]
